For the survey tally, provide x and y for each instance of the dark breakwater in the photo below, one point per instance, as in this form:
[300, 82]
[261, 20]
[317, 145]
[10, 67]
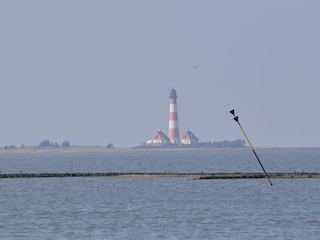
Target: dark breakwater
[235, 175]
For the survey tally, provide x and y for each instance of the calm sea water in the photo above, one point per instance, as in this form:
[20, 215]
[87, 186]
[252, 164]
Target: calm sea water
[160, 208]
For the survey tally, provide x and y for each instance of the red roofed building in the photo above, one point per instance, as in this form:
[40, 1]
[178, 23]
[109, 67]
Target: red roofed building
[158, 139]
[189, 138]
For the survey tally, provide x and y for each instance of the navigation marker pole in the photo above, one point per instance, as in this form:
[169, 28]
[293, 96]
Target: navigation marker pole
[236, 118]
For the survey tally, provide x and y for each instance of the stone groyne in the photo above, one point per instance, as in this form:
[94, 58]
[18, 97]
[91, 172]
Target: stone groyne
[260, 175]
[235, 175]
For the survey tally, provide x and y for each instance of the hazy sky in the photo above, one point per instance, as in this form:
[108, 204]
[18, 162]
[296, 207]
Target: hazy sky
[99, 72]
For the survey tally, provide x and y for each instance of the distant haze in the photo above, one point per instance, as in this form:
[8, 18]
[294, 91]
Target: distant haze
[100, 72]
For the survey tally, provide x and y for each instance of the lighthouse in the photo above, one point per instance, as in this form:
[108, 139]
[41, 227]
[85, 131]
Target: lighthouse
[173, 132]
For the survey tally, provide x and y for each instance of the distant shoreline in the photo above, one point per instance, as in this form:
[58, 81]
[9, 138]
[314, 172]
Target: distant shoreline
[96, 149]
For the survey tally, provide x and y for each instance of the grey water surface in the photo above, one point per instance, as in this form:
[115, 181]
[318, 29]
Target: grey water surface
[160, 208]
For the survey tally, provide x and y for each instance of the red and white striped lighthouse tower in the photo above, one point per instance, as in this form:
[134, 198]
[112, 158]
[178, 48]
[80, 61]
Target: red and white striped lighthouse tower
[173, 132]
